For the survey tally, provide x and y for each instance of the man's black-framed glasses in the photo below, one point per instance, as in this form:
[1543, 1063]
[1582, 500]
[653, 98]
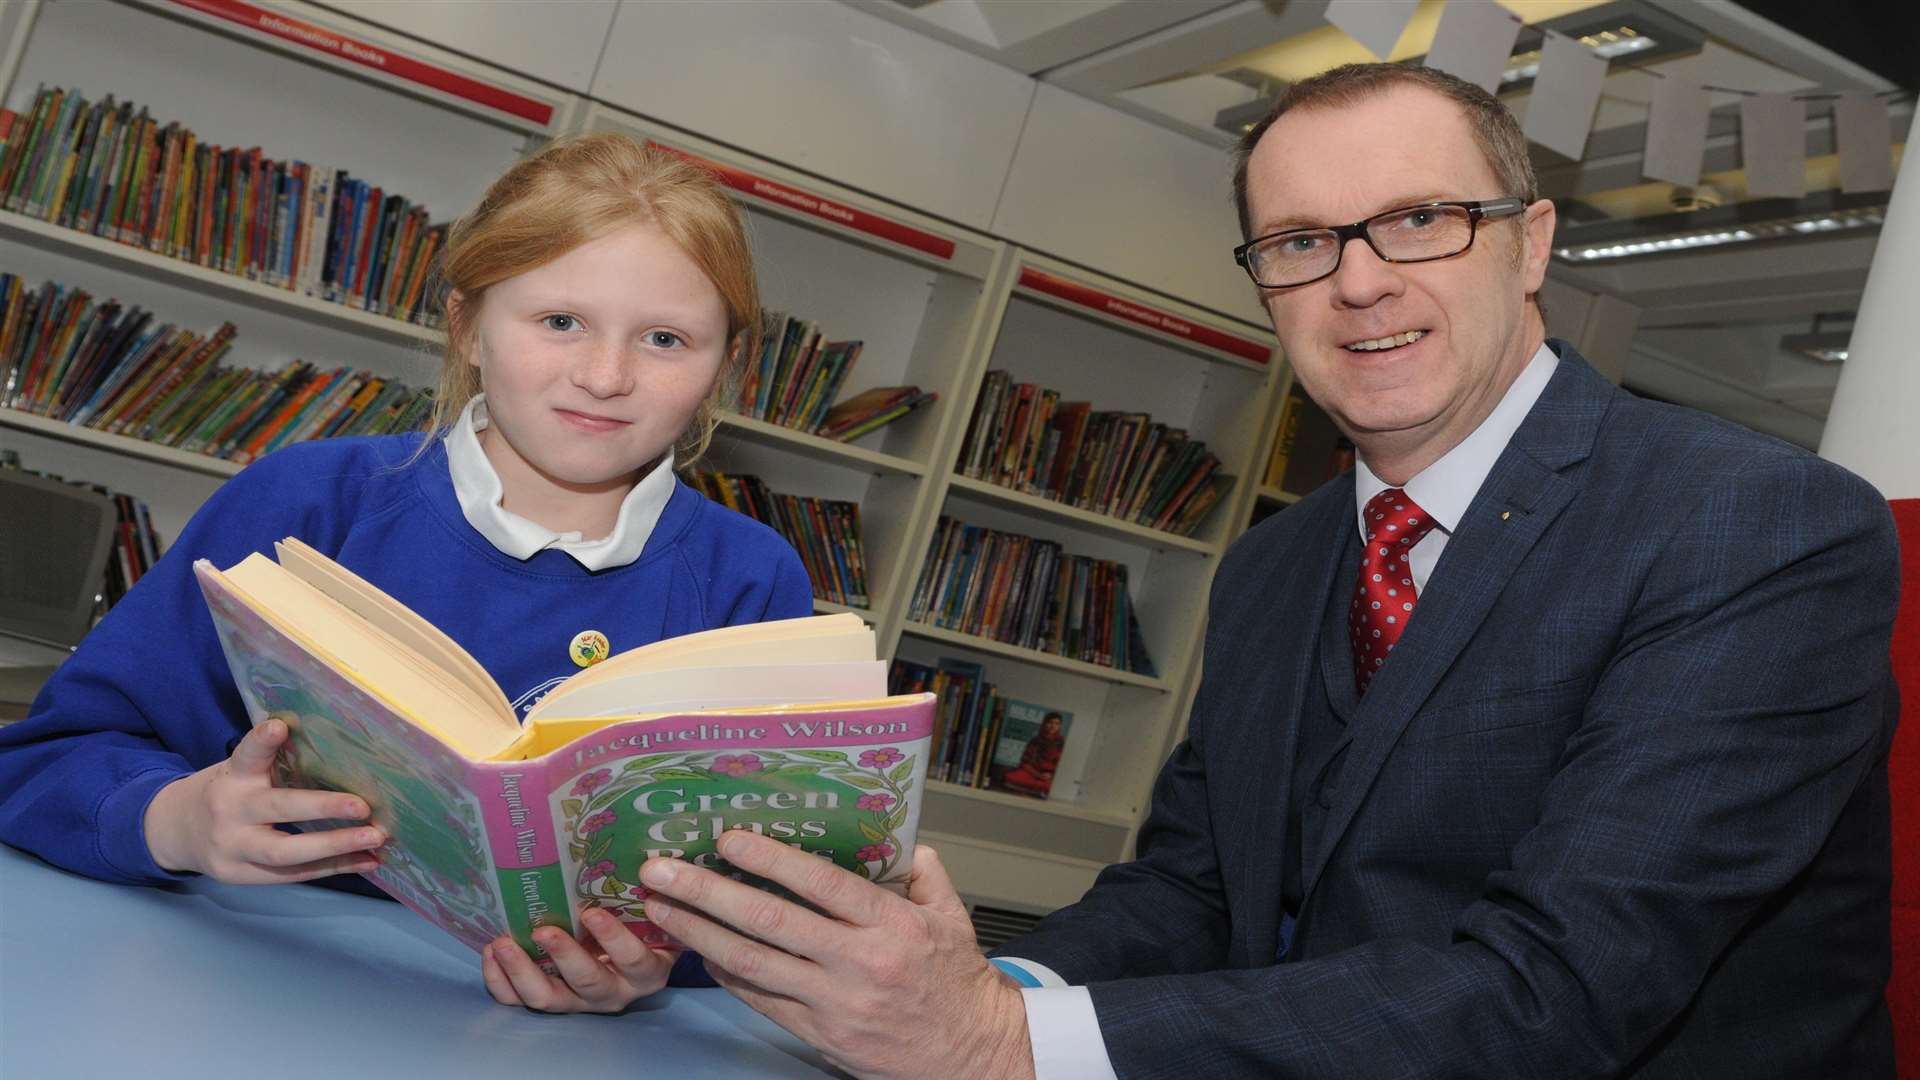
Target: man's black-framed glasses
[1410, 234]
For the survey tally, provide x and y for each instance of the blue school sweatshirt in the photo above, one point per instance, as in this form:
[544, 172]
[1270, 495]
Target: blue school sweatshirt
[148, 698]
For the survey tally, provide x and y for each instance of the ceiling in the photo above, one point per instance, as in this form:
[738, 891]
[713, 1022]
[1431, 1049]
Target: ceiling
[1710, 318]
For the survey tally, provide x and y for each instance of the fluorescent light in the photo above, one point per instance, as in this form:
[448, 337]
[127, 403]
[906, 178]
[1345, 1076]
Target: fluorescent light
[1821, 344]
[1607, 44]
[1826, 222]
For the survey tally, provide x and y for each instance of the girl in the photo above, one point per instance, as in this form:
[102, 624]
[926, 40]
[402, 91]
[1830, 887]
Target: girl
[598, 300]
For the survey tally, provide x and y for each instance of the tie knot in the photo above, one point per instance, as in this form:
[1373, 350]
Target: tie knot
[1392, 517]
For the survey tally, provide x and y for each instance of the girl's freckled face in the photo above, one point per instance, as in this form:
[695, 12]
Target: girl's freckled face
[594, 363]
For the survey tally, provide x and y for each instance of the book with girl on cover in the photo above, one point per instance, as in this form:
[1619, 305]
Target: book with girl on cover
[1028, 748]
[783, 728]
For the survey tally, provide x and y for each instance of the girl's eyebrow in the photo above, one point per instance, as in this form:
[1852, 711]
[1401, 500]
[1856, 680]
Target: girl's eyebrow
[656, 308]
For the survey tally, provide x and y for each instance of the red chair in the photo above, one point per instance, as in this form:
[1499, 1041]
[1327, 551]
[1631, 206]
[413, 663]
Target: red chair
[1903, 771]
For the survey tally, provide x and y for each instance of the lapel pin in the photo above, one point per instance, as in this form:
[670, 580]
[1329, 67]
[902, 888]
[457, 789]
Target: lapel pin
[1505, 514]
[588, 648]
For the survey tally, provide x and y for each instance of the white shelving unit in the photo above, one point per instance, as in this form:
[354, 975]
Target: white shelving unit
[936, 305]
[419, 121]
[914, 290]
[130, 448]
[62, 242]
[1101, 340]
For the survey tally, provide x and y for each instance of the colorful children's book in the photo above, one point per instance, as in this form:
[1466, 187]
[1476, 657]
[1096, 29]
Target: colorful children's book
[782, 728]
[1027, 754]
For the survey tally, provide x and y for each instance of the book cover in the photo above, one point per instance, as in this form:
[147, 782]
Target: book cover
[781, 728]
[1027, 752]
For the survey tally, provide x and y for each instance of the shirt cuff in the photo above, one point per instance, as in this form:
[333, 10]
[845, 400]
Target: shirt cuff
[1061, 1025]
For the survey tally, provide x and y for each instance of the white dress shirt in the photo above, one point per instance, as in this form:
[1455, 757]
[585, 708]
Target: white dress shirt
[477, 486]
[1446, 488]
[1060, 1019]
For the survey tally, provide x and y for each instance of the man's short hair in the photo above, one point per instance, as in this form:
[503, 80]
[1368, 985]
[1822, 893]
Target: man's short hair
[1494, 128]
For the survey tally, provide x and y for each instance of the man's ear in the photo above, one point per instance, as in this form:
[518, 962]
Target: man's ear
[1540, 221]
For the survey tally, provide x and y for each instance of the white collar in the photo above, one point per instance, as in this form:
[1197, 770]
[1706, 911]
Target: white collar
[1446, 488]
[477, 486]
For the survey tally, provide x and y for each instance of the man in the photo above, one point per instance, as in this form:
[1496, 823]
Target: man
[1550, 741]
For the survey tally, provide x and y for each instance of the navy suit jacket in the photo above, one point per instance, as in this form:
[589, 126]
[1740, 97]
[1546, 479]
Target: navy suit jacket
[1617, 806]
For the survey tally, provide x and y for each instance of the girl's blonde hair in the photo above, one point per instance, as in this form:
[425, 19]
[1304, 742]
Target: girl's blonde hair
[576, 190]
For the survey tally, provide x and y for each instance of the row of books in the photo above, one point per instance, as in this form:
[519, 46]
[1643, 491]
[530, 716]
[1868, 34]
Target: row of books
[1121, 464]
[795, 381]
[1029, 592]
[797, 374]
[110, 169]
[826, 532]
[117, 369]
[981, 737]
[136, 545]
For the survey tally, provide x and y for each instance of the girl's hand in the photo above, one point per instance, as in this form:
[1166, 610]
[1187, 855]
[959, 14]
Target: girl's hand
[220, 822]
[624, 971]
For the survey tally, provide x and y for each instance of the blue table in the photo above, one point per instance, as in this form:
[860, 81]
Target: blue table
[293, 981]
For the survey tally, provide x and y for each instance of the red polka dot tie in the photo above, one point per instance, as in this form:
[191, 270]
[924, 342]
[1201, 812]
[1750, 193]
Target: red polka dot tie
[1384, 600]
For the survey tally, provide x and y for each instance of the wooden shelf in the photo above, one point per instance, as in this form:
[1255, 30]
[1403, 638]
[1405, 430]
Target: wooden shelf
[828, 607]
[830, 451]
[1035, 656]
[1051, 807]
[118, 444]
[1073, 515]
[266, 298]
[1275, 495]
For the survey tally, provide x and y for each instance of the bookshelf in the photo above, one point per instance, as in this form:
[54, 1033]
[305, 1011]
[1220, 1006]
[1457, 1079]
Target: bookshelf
[913, 289]
[937, 305]
[121, 445]
[1088, 519]
[419, 121]
[73, 245]
[823, 450]
[1102, 340]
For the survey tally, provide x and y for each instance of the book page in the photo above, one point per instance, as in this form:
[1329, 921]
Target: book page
[418, 688]
[810, 640]
[393, 618]
[695, 689]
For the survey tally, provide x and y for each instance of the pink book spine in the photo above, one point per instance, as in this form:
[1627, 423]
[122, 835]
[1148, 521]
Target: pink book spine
[517, 811]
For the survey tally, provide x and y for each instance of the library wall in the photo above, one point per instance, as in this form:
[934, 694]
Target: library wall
[1099, 187]
[824, 88]
[557, 41]
[837, 92]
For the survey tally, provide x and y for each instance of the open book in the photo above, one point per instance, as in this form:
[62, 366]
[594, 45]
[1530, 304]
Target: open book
[784, 728]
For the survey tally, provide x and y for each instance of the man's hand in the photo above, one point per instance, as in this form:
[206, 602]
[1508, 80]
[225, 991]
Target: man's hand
[220, 822]
[623, 971]
[883, 986]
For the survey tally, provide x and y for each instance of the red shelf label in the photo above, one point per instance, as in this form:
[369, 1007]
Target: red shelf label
[325, 41]
[824, 209]
[1152, 318]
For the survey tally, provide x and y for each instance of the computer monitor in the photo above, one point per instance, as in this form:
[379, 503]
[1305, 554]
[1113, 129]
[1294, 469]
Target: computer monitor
[54, 543]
